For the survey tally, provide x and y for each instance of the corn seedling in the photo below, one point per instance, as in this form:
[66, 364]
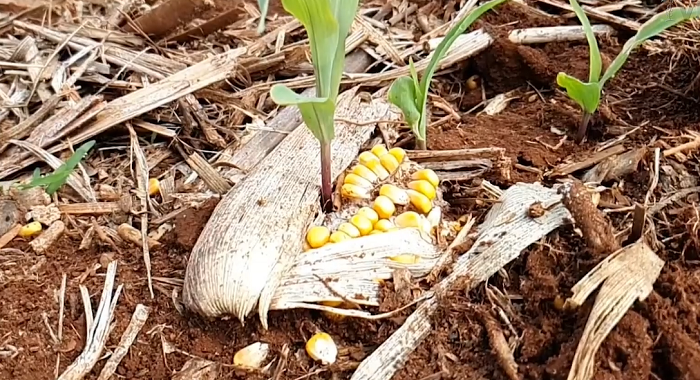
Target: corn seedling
[263, 5]
[58, 178]
[587, 94]
[411, 95]
[327, 23]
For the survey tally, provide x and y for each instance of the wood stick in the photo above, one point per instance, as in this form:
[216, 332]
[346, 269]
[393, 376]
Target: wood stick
[138, 319]
[556, 34]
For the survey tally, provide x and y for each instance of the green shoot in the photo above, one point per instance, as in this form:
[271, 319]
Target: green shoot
[411, 95]
[587, 94]
[327, 23]
[59, 177]
[262, 5]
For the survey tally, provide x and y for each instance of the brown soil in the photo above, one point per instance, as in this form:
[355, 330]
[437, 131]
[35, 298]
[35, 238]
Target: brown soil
[658, 339]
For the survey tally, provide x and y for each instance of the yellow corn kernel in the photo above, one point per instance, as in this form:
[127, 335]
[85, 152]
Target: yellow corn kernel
[405, 259]
[378, 169]
[349, 230]
[354, 179]
[252, 356]
[384, 207]
[376, 232]
[366, 157]
[420, 201]
[408, 219]
[153, 186]
[424, 187]
[389, 163]
[353, 191]
[338, 236]
[365, 173]
[379, 150]
[397, 195]
[363, 224]
[369, 214]
[398, 153]
[427, 175]
[331, 315]
[383, 225]
[29, 230]
[318, 236]
[321, 347]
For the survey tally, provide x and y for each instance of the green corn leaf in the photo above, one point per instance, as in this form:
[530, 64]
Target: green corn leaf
[58, 178]
[414, 73]
[402, 94]
[344, 13]
[440, 52]
[263, 6]
[653, 27]
[587, 95]
[317, 112]
[595, 63]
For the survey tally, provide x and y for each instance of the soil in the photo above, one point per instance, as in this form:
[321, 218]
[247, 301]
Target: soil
[659, 338]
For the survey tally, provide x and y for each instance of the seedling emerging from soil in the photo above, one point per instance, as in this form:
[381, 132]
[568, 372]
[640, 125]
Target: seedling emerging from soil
[262, 5]
[55, 180]
[587, 94]
[327, 23]
[411, 95]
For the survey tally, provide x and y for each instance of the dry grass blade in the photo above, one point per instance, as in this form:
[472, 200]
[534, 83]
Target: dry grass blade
[626, 276]
[92, 208]
[557, 34]
[74, 180]
[209, 175]
[141, 177]
[23, 129]
[129, 106]
[98, 329]
[506, 231]
[138, 319]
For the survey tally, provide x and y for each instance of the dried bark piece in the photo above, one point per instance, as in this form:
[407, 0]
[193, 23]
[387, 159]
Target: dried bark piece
[48, 237]
[45, 215]
[595, 227]
[26, 199]
[129, 233]
[615, 167]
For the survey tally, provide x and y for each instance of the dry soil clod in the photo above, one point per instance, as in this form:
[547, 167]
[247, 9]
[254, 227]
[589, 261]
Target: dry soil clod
[595, 227]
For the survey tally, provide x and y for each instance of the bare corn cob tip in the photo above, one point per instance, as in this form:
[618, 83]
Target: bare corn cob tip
[321, 347]
[318, 236]
[29, 230]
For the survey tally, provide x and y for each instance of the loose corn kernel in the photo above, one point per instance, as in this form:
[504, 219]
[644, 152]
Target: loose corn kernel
[384, 207]
[318, 236]
[398, 153]
[405, 259]
[424, 187]
[354, 179]
[376, 232]
[349, 230]
[369, 214]
[427, 175]
[434, 217]
[389, 163]
[383, 225]
[338, 236]
[363, 224]
[379, 150]
[353, 191]
[378, 169]
[252, 356]
[420, 201]
[408, 219]
[321, 347]
[365, 173]
[153, 186]
[331, 315]
[472, 82]
[366, 157]
[29, 230]
[396, 194]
